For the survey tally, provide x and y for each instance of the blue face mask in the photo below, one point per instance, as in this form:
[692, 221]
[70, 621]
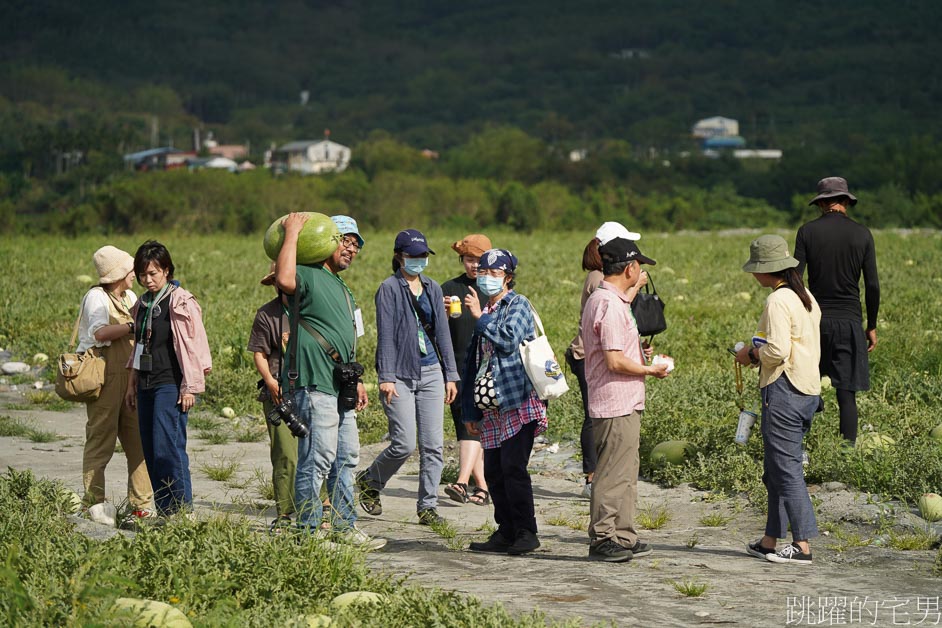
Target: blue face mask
[414, 265]
[490, 285]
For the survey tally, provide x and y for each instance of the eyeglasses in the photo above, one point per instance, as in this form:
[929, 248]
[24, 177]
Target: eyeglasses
[491, 272]
[350, 242]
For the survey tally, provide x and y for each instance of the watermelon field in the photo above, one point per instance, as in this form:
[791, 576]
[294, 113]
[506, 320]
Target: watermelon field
[711, 304]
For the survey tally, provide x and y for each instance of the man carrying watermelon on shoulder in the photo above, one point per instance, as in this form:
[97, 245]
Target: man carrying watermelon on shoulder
[329, 324]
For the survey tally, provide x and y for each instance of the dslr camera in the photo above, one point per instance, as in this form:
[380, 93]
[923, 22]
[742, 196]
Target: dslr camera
[347, 376]
[285, 412]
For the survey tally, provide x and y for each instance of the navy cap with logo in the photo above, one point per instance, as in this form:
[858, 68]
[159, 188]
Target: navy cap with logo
[411, 242]
[622, 250]
[500, 259]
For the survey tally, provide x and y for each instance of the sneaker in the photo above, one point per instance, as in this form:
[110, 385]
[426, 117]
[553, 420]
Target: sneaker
[367, 496]
[359, 538]
[587, 490]
[640, 549]
[610, 551]
[790, 554]
[805, 459]
[430, 516]
[496, 544]
[526, 541]
[756, 549]
[280, 525]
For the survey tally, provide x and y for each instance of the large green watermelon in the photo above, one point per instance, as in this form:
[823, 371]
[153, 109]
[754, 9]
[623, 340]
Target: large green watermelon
[318, 239]
[672, 452]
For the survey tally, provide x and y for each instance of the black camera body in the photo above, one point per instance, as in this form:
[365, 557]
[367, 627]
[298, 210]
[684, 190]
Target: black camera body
[347, 377]
[285, 412]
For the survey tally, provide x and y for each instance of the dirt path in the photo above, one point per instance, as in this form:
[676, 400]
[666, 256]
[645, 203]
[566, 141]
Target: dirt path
[873, 585]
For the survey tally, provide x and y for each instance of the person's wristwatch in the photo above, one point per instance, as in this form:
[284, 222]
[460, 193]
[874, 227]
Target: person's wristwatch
[130, 328]
[753, 358]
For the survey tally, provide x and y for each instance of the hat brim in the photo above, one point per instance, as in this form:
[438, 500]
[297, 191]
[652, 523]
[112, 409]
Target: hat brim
[770, 267]
[644, 259]
[821, 197]
[416, 250]
[268, 280]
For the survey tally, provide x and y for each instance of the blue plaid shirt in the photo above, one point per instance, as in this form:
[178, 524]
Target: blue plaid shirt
[506, 326]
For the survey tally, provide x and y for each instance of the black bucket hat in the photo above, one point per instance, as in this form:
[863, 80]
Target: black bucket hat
[832, 187]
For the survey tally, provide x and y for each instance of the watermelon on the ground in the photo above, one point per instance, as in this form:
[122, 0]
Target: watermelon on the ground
[930, 507]
[936, 433]
[354, 598]
[868, 442]
[318, 239]
[147, 613]
[671, 452]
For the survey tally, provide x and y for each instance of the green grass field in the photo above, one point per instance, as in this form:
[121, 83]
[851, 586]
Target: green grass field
[711, 304]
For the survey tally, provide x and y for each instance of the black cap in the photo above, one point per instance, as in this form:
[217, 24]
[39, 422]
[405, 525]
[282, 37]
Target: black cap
[622, 250]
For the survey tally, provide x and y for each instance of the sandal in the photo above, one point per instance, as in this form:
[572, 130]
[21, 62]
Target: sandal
[480, 497]
[457, 492]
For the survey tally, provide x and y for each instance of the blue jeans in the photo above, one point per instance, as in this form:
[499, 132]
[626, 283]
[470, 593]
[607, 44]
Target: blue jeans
[163, 438]
[786, 417]
[329, 453]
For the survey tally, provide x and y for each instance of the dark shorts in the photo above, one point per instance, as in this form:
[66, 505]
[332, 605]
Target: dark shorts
[461, 430]
[844, 355]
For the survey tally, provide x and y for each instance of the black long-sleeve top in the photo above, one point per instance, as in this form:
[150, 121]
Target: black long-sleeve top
[836, 250]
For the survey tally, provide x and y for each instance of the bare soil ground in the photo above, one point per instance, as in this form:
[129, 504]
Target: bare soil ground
[865, 585]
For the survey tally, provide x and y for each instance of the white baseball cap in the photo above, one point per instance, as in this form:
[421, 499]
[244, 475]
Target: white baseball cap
[611, 230]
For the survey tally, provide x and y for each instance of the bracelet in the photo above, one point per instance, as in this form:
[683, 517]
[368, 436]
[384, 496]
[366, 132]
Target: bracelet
[130, 328]
[753, 358]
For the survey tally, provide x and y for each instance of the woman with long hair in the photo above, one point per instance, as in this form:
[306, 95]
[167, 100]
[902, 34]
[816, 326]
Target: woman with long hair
[786, 349]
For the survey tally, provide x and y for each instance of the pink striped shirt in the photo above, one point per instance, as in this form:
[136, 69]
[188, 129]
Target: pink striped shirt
[608, 325]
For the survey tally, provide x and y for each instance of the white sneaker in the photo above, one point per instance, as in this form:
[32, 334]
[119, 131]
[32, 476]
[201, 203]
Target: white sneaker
[587, 490]
[805, 459]
[356, 536]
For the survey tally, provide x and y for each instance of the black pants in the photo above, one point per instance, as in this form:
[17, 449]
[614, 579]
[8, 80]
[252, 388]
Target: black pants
[586, 441]
[505, 470]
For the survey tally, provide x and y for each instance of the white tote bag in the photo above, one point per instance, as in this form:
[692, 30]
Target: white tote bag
[542, 368]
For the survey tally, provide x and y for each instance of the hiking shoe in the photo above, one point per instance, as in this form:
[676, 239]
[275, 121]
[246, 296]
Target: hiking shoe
[587, 490]
[790, 554]
[526, 541]
[496, 544]
[430, 516]
[357, 537]
[756, 549]
[367, 496]
[610, 551]
[640, 549]
[805, 459]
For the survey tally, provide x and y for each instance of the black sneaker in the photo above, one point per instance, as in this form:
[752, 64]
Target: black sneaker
[640, 549]
[790, 554]
[430, 516]
[496, 544]
[280, 525]
[756, 549]
[525, 542]
[610, 551]
[367, 496]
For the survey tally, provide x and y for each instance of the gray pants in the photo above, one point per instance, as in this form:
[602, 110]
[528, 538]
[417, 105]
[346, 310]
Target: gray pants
[418, 412]
[786, 417]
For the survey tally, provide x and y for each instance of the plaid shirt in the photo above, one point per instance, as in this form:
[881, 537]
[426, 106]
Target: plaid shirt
[500, 425]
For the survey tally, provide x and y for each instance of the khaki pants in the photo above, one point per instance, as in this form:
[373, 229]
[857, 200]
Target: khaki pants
[110, 420]
[615, 485]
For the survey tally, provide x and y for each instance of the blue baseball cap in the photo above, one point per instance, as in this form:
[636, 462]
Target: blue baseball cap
[411, 242]
[501, 259]
[347, 225]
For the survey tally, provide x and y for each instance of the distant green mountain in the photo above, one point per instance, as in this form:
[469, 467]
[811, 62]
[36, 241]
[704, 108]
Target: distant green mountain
[794, 73]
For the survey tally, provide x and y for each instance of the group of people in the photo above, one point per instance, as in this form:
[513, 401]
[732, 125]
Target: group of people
[156, 359]
[304, 343]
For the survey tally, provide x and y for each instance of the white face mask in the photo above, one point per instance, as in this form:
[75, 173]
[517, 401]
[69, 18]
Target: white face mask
[490, 285]
[414, 265]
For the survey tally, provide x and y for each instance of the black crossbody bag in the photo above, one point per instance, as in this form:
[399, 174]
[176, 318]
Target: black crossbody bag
[648, 310]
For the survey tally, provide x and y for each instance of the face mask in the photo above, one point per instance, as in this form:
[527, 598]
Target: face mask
[414, 265]
[490, 285]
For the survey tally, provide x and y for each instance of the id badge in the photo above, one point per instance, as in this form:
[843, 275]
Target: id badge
[358, 321]
[147, 363]
[138, 351]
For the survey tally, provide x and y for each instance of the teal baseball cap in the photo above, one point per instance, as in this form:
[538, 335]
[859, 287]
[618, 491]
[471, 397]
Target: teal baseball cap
[347, 225]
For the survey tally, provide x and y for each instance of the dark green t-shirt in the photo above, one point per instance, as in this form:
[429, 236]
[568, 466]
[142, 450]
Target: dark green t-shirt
[325, 306]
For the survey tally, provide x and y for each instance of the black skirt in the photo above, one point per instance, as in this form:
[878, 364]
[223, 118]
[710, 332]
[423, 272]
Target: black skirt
[844, 356]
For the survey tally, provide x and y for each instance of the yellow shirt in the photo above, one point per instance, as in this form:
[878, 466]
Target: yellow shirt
[794, 341]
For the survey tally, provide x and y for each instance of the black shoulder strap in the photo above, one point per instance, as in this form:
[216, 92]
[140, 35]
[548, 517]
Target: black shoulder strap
[291, 355]
[426, 324]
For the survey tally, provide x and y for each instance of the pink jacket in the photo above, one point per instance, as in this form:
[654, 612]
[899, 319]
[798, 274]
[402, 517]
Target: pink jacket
[189, 340]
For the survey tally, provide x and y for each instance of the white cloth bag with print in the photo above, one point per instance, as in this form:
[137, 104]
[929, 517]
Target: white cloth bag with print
[540, 363]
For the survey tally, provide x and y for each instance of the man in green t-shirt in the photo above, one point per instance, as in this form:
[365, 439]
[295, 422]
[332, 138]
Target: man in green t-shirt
[327, 308]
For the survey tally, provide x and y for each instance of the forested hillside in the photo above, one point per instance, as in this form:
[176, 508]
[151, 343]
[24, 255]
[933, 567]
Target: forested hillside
[845, 87]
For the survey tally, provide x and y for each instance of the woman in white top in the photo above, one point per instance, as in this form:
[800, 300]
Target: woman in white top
[105, 323]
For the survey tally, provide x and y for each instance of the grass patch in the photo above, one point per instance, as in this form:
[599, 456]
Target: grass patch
[263, 485]
[845, 540]
[693, 541]
[202, 422]
[12, 427]
[653, 517]
[689, 588]
[220, 470]
[449, 474]
[48, 400]
[568, 522]
[715, 520]
[251, 434]
[912, 541]
[213, 437]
